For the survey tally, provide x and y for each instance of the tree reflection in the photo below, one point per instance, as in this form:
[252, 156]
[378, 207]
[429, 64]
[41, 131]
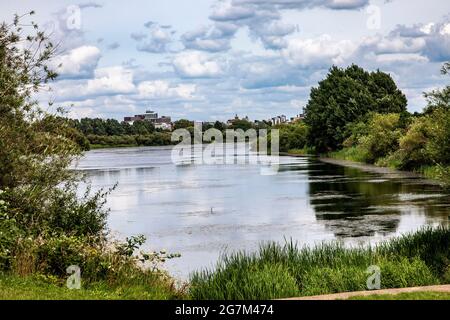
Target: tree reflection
[354, 203]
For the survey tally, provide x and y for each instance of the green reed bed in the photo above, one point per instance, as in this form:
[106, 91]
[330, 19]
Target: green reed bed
[279, 271]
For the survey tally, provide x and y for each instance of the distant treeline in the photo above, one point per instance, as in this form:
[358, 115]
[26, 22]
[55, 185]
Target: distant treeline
[97, 133]
[112, 133]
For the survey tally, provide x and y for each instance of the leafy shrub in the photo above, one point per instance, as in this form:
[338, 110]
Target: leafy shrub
[382, 137]
[9, 232]
[292, 136]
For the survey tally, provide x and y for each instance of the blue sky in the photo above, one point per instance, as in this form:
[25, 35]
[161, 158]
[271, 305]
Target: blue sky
[209, 59]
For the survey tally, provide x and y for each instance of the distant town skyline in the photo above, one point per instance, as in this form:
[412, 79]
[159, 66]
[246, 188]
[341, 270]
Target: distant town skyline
[211, 59]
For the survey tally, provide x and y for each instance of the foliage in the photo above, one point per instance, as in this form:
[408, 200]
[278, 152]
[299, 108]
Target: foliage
[112, 127]
[379, 137]
[241, 124]
[9, 232]
[439, 98]
[346, 96]
[292, 136]
[421, 143]
[182, 124]
[155, 139]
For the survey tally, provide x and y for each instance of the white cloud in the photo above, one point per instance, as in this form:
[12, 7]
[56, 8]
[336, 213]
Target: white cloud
[159, 40]
[225, 11]
[400, 45]
[445, 30]
[322, 51]
[427, 28]
[111, 80]
[162, 89]
[400, 57]
[196, 65]
[214, 38]
[79, 62]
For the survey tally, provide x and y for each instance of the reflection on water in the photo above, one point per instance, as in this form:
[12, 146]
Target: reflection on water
[203, 210]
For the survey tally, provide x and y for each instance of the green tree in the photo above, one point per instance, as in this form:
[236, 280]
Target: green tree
[36, 148]
[113, 127]
[346, 96]
[292, 136]
[219, 125]
[241, 124]
[439, 98]
[142, 127]
[183, 124]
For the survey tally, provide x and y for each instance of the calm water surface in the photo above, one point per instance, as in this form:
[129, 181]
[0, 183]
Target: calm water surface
[202, 211]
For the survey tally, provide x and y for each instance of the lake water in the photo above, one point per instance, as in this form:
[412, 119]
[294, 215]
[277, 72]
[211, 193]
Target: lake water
[202, 211]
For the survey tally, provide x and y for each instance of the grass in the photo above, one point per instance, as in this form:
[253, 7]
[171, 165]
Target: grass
[107, 146]
[302, 152]
[437, 172]
[280, 271]
[426, 295]
[355, 154]
[39, 287]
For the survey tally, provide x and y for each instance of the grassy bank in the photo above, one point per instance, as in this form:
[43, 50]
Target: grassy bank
[356, 154]
[279, 271]
[105, 146]
[406, 296]
[40, 287]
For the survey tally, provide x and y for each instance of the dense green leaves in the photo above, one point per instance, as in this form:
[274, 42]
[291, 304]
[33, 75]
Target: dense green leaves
[292, 136]
[345, 96]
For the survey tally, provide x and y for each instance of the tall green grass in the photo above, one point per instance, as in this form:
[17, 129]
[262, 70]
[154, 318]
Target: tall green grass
[356, 154]
[278, 271]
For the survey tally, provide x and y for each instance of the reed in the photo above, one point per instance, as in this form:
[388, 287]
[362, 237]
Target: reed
[279, 271]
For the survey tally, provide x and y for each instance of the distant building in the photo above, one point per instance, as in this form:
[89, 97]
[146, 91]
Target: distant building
[231, 121]
[278, 120]
[236, 118]
[151, 116]
[163, 126]
[297, 118]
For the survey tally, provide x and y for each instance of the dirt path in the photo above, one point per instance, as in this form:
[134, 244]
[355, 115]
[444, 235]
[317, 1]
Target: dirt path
[346, 295]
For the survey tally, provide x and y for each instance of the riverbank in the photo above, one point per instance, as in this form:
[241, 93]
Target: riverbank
[430, 173]
[434, 172]
[282, 271]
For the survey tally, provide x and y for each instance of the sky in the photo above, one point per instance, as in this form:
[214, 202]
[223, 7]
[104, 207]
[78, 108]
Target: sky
[208, 60]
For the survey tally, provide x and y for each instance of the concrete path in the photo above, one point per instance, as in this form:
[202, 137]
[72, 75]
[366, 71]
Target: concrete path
[346, 295]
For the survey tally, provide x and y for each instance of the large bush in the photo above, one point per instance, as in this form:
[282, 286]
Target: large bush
[292, 136]
[373, 139]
